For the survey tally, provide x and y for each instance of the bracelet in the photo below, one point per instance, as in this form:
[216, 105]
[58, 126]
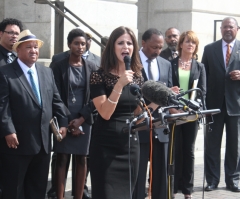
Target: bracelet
[112, 101]
[119, 93]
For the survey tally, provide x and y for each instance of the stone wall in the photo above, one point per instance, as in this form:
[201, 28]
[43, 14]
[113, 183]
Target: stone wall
[102, 15]
[35, 17]
[196, 15]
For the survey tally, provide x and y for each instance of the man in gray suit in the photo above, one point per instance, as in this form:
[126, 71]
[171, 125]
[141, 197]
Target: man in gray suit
[158, 69]
[222, 63]
[28, 100]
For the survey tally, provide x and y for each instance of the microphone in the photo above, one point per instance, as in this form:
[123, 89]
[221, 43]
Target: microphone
[127, 61]
[191, 104]
[136, 91]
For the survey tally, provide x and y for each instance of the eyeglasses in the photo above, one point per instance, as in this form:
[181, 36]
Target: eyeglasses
[11, 33]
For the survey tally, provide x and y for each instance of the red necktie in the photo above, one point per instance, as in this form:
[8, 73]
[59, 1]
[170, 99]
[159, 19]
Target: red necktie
[228, 54]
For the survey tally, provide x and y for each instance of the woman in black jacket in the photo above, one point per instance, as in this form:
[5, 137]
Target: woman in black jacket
[72, 79]
[185, 72]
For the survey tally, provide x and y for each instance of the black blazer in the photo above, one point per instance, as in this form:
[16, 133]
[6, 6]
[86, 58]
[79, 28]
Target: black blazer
[166, 54]
[197, 72]
[219, 85]
[166, 77]
[61, 75]
[21, 113]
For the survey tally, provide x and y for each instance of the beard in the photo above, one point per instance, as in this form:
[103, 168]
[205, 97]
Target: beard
[173, 48]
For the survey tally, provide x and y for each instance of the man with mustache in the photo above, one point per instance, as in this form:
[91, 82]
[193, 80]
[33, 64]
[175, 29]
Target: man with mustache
[222, 64]
[9, 31]
[171, 38]
[158, 69]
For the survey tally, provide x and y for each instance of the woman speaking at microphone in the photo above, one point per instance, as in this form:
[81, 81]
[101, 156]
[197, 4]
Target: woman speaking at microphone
[185, 69]
[109, 149]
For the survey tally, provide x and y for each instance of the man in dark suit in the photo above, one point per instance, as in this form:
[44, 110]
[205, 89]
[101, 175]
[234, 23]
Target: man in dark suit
[9, 31]
[89, 55]
[28, 100]
[158, 69]
[221, 60]
[171, 38]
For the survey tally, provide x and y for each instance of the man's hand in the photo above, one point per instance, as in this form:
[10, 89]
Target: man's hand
[235, 75]
[63, 132]
[74, 126]
[12, 140]
[175, 89]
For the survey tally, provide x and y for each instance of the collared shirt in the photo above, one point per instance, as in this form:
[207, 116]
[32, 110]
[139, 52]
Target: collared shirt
[224, 49]
[154, 65]
[85, 55]
[25, 69]
[5, 52]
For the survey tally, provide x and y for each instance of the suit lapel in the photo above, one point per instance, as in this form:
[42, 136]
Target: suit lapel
[193, 73]
[87, 80]
[175, 69]
[219, 54]
[235, 52]
[42, 83]
[24, 81]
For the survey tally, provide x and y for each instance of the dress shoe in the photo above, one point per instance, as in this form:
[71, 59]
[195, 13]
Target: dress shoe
[233, 188]
[86, 194]
[210, 187]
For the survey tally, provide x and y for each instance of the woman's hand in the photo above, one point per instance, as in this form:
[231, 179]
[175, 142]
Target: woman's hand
[74, 126]
[175, 89]
[126, 77]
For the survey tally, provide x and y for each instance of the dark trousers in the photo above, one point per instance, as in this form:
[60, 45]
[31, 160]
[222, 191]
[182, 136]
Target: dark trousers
[25, 176]
[188, 133]
[213, 148]
[139, 191]
[159, 169]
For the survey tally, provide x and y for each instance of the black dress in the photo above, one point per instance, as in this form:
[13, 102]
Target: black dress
[109, 148]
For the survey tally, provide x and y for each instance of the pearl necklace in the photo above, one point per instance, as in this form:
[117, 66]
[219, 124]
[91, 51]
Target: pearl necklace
[185, 65]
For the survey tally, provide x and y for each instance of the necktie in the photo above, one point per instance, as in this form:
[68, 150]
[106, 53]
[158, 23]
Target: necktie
[174, 54]
[34, 87]
[150, 71]
[9, 59]
[228, 54]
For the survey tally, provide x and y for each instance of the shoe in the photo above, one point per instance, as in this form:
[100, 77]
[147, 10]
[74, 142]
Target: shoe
[187, 196]
[86, 194]
[210, 187]
[233, 188]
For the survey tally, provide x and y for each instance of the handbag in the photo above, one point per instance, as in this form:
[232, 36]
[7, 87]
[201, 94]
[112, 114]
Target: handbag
[55, 129]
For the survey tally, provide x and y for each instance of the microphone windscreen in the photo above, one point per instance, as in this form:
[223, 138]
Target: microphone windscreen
[156, 92]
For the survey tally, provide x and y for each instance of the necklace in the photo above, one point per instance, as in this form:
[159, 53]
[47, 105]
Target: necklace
[185, 65]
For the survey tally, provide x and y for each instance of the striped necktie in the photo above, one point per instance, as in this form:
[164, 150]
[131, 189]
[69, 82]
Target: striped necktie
[228, 54]
[9, 58]
[150, 72]
[34, 87]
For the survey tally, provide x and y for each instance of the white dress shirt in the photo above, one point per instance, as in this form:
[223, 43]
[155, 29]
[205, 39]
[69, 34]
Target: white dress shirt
[25, 69]
[154, 65]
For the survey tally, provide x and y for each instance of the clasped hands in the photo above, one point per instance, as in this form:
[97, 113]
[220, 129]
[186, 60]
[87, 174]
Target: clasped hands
[74, 125]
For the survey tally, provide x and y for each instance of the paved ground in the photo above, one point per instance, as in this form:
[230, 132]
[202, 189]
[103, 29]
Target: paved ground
[220, 193]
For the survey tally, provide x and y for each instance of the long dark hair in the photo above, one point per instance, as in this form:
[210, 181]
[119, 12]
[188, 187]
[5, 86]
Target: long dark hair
[109, 59]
